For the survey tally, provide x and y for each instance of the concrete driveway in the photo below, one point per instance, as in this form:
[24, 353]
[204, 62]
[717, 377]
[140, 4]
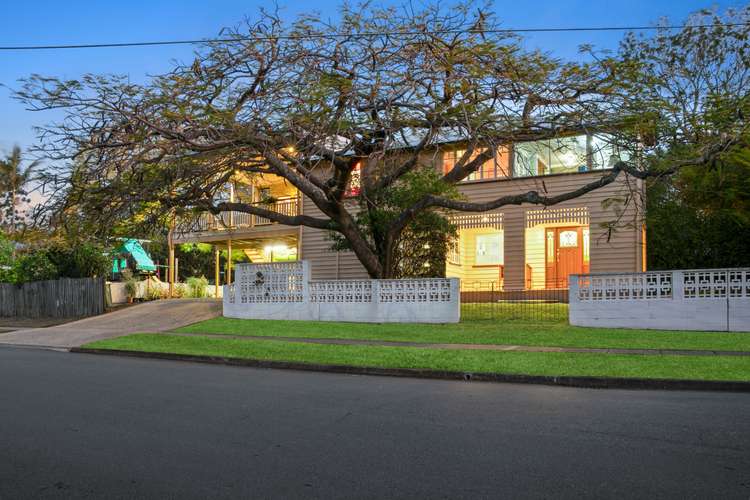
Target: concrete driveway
[157, 316]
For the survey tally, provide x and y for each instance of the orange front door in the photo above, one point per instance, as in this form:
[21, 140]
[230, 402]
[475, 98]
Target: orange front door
[564, 255]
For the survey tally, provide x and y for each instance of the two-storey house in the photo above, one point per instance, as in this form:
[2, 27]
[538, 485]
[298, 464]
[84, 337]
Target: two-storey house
[514, 248]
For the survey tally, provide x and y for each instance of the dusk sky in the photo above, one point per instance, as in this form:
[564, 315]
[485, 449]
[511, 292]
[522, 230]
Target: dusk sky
[81, 22]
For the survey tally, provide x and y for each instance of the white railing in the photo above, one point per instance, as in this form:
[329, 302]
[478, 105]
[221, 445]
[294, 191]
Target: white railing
[283, 290]
[694, 299]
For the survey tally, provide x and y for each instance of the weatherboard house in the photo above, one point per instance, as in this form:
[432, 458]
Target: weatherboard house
[517, 248]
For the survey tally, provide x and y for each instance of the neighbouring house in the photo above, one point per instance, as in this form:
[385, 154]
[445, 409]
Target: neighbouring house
[514, 248]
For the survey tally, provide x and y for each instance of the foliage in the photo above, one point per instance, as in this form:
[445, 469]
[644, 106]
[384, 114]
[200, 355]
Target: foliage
[131, 283]
[78, 260]
[420, 249]
[6, 250]
[35, 266]
[701, 217]
[154, 291]
[13, 181]
[197, 287]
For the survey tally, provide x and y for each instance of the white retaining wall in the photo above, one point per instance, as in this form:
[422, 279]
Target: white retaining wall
[283, 290]
[706, 299]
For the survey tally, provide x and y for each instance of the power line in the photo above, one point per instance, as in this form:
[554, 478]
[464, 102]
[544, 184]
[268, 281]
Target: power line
[362, 35]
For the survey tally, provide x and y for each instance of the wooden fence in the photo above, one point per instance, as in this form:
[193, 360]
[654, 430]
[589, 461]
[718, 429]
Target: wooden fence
[63, 298]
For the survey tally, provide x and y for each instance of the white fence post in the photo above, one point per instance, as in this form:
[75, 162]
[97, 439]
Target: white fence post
[678, 285]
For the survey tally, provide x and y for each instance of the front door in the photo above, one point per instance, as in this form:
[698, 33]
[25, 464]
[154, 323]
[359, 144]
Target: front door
[564, 255]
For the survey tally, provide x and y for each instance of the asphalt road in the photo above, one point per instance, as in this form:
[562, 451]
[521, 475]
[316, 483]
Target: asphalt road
[77, 425]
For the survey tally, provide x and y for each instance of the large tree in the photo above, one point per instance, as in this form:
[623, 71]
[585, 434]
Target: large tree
[310, 100]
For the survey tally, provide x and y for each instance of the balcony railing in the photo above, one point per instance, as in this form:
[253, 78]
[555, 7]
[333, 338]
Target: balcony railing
[241, 220]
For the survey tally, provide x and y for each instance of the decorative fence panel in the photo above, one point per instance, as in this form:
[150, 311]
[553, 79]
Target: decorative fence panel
[284, 290]
[63, 298]
[701, 299]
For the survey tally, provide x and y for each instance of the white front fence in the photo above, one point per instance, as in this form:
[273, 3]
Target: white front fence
[705, 299]
[283, 290]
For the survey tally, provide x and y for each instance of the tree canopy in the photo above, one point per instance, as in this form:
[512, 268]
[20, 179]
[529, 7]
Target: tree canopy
[310, 100]
[14, 179]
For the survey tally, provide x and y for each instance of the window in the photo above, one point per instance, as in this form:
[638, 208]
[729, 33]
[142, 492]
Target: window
[586, 246]
[605, 152]
[568, 239]
[454, 251]
[554, 156]
[489, 249]
[494, 168]
[567, 154]
[355, 181]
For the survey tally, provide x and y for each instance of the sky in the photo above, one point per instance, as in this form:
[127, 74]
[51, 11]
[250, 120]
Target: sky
[38, 22]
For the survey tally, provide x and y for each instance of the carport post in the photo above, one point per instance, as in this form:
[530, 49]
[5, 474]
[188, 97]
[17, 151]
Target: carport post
[217, 255]
[229, 262]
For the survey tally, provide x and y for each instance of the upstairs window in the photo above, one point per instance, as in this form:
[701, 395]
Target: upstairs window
[554, 156]
[496, 167]
[355, 181]
[579, 153]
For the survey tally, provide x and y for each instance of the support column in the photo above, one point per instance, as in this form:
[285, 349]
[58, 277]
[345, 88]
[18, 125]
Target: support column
[170, 261]
[229, 263]
[217, 274]
[170, 269]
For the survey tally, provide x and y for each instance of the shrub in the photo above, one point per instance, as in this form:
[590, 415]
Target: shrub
[78, 260]
[34, 266]
[197, 287]
[154, 292]
[131, 284]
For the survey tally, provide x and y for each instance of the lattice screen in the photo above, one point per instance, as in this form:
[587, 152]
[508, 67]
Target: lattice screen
[654, 285]
[270, 283]
[475, 221]
[577, 215]
[417, 290]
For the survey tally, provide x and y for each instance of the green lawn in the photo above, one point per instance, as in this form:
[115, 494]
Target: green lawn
[514, 332]
[735, 368]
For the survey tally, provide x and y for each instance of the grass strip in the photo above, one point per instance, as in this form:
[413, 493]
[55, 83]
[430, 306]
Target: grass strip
[511, 332]
[722, 368]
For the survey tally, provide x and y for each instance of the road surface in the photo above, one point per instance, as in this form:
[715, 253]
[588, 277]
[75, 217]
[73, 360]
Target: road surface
[86, 426]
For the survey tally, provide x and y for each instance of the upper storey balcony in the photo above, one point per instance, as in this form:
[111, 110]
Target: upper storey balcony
[270, 192]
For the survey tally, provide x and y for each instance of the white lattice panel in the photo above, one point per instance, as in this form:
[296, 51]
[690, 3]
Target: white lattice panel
[576, 215]
[739, 283]
[278, 282]
[654, 285]
[415, 291]
[341, 291]
[716, 283]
